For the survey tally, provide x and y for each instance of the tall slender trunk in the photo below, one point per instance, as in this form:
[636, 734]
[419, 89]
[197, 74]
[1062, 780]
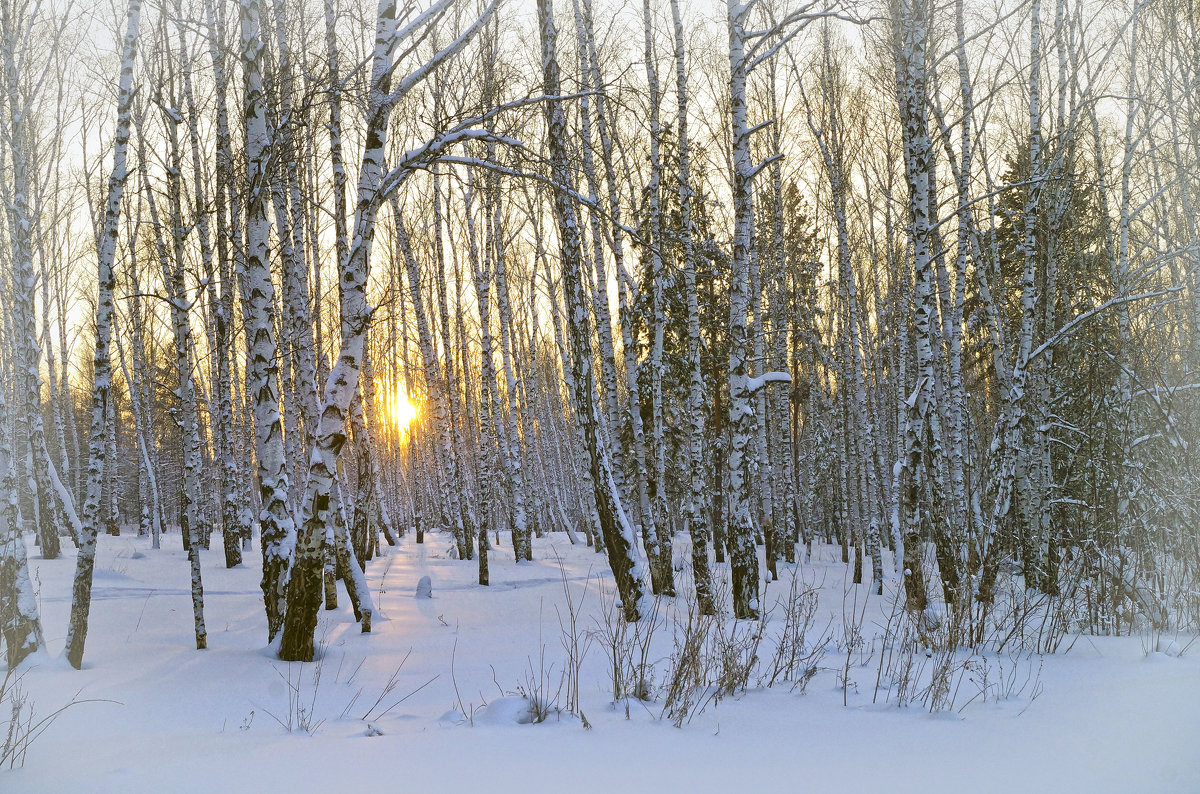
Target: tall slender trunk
[595, 82]
[489, 415]
[697, 519]
[656, 528]
[235, 521]
[919, 464]
[618, 533]
[81, 594]
[451, 397]
[743, 555]
[172, 262]
[608, 367]
[515, 468]
[1007, 443]
[277, 527]
[22, 221]
[435, 385]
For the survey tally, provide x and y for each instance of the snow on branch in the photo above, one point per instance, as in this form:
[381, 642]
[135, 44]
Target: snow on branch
[780, 33]
[517, 173]
[759, 381]
[473, 129]
[444, 54]
[1062, 334]
[758, 168]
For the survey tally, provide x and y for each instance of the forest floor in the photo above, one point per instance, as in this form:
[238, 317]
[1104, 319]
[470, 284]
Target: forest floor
[454, 675]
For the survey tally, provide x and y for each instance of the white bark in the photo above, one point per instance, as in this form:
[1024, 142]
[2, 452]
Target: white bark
[619, 539]
[19, 621]
[697, 519]
[744, 558]
[374, 185]
[235, 521]
[276, 525]
[655, 525]
[81, 597]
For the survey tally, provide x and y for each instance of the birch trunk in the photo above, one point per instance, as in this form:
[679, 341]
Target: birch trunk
[920, 462]
[81, 594]
[619, 539]
[465, 536]
[742, 552]
[488, 415]
[19, 621]
[595, 83]
[447, 460]
[585, 45]
[305, 586]
[1007, 443]
[515, 468]
[697, 520]
[276, 526]
[22, 220]
[656, 524]
[235, 523]
[189, 421]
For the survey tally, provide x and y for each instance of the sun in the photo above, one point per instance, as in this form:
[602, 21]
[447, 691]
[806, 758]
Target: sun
[400, 409]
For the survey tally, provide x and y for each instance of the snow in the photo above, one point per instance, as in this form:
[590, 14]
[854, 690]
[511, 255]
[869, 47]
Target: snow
[756, 383]
[439, 696]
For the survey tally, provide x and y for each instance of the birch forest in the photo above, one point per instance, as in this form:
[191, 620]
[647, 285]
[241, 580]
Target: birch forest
[710, 289]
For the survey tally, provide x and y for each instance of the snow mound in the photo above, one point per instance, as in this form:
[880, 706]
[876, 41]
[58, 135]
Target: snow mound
[506, 711]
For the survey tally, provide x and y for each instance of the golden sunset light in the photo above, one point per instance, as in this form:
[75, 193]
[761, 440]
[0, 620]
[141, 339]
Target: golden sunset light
[400, 409]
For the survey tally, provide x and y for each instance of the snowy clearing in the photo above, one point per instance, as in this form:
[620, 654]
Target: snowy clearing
[1108, 716]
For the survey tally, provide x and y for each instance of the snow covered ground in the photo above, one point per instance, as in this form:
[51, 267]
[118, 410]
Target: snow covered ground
[449, 674]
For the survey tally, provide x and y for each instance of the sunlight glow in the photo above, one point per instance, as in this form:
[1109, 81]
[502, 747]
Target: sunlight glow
[400, 409]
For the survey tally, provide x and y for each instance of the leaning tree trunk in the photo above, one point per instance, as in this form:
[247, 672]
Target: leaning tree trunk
[608, 362]
[306, 586]
[595, 83]
[374, 185]
[81, 595]
[618, 533]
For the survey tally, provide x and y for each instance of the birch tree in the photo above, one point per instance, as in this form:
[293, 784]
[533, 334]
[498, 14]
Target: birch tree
[698, 526]
[748, 49]
[81, 594]
[375, 184]
[19, 619]
[277, 529]
[619, 539]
